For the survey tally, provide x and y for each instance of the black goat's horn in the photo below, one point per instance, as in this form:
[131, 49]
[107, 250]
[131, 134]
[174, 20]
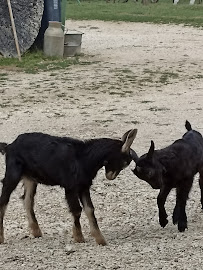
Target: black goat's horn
[134, 155]
[151, 150]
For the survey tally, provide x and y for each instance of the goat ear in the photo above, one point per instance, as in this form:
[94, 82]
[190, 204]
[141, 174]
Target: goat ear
[151, 150]
[128, 139]
[188, 125]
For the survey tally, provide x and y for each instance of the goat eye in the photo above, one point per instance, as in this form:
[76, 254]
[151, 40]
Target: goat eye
[105, 162]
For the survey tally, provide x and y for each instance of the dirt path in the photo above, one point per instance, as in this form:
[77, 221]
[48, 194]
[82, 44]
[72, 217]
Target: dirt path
[135, 75]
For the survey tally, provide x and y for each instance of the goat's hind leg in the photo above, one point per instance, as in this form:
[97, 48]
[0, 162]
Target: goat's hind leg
[182, 197]
[89, 211]
[75, 209]
[10, 182]
[176, 211]
[28, 199]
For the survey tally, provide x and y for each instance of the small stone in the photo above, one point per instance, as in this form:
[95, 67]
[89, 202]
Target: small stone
[69, 249]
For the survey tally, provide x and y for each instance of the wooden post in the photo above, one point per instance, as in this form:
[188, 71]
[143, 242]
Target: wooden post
[14, 29]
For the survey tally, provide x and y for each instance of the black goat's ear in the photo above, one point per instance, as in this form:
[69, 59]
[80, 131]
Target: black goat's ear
[128, 139]
[151, 150]
[188, 125]
[133, 155]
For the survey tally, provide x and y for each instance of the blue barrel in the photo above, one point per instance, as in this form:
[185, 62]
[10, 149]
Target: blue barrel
[52, 12]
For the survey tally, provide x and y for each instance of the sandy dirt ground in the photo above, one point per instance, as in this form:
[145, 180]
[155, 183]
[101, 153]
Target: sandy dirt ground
[132, 76]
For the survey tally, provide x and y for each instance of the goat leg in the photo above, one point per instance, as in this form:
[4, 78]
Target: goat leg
[182, 196]
[9, 184]
[89, 211]
[75, 209]
[2, 213]
[201, 186]
[28, 199]
[176, 213]
[161, 199]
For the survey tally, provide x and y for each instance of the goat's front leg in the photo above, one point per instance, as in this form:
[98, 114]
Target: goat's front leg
[182, 196]
[75, 209]
[161, 199]
[201, 186]
[89, 211]
[176, 213]
[28, 199]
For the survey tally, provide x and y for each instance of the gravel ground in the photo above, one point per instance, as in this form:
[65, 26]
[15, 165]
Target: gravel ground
[133, 76]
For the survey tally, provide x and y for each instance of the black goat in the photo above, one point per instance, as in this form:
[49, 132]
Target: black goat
[173, 167]
[69, 163]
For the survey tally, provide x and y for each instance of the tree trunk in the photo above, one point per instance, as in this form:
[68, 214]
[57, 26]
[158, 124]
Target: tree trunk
[27, 17]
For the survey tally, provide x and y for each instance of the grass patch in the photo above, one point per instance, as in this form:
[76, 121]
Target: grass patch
[34, 62]
[135, 122]
[165, 76]
[104, 121]
[161, 12]
[3, 76]
[156, 109]
[146, 101]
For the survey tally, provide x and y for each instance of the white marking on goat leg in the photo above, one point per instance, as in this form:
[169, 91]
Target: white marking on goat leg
[77, 232]
[94, 229]
[77, 235]
[29, 205]
[2, 213]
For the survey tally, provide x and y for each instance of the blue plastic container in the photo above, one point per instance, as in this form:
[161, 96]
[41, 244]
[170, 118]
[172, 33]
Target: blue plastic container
[52, 12]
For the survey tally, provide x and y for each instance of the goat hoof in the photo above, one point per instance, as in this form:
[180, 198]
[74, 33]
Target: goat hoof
[37, 234]
[175, 220]
[79, 239]
[163, 222]
[1, 239]
[182, 226]
[35, 230]
[102, 242]
[181, 229]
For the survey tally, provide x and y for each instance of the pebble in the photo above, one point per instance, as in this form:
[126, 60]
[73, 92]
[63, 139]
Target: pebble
[69, 249]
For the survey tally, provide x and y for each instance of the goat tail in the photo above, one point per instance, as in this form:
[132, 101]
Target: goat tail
[3, 148]
[188, 125]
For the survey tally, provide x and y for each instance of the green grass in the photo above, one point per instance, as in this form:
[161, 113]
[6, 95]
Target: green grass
[162, 12]
[34, 62]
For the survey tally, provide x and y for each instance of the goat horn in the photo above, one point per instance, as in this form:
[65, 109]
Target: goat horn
[134, 155]
[151, 150]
